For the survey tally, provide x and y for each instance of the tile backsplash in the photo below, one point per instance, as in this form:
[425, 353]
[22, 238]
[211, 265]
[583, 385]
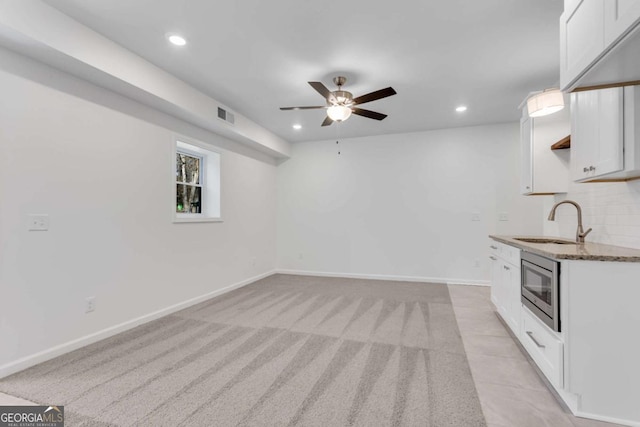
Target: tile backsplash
[612, 209]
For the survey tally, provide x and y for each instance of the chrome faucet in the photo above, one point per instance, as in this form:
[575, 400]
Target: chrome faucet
[580, 233]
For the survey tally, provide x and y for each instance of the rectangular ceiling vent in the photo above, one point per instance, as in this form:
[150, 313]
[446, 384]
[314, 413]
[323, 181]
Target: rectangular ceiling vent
[226, 115]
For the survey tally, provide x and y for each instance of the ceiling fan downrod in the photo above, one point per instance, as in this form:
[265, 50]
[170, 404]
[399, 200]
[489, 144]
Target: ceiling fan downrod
[340, 97]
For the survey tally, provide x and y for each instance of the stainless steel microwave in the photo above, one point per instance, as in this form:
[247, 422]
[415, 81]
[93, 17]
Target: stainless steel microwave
[540, 288]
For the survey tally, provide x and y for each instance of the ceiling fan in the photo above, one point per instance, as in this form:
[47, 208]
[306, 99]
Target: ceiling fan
[341, 104]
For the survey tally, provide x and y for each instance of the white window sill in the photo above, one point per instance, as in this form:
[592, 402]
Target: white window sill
[197, 219]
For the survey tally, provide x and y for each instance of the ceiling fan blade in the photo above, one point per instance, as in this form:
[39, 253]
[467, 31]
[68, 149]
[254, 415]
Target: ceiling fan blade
[302, 108]
[368, 113]
[321, 89]
[382, 93]
[327, 121]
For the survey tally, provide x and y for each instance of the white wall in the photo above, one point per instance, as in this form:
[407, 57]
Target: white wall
[100, 165]
[401, 205]
[38, 30]
[611, 209]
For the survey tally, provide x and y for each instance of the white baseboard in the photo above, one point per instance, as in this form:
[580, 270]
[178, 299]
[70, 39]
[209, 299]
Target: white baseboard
[445, 280]
[466, 282]
[43, 356]
[607, 419]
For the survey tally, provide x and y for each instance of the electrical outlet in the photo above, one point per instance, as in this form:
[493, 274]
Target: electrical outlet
[38, 222]
[252, 261]
[503, 216]
[89, 304]
[475, 216]
[300, 257]
[476, 263]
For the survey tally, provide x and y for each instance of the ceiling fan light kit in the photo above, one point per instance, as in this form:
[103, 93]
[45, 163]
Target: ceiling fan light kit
[340, 104]
[546, 102]
[339, 113]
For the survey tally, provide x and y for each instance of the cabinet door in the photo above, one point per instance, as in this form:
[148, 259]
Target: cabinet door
[620, 17]
[581, 39]
[584, 127]
[526, 156]
[597, 138]
[511, 292]
[496, 283]
[515, 305]
[610, 155]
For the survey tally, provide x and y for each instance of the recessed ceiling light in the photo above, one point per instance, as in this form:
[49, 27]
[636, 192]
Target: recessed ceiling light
[461, 109]
[176, 39]
[297, 126]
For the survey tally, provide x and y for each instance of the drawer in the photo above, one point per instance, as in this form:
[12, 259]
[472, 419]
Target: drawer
[544, 347]
[510, 254]
[494, 248]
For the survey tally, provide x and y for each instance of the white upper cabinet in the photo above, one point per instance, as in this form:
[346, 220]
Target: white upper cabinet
[597, 133]
[544, 171]
[604, 134]
[526, 155]
[619, 17]
[581, 38]
[599, 43]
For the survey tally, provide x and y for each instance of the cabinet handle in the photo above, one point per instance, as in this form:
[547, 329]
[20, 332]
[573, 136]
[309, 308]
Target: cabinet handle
[592, 168]
[493, 247]
[505, 267]
[493, 258]
[528, 188]
[534, 339]
[585, 170]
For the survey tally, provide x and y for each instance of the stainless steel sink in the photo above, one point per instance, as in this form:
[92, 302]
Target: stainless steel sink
[545, 240]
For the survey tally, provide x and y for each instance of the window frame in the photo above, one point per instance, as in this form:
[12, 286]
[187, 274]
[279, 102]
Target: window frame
[203, 151]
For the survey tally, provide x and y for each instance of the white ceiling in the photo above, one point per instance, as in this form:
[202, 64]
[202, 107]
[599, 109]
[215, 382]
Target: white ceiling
[256, 56]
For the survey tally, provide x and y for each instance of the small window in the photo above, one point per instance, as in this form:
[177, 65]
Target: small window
[188, 182]
[197, 182]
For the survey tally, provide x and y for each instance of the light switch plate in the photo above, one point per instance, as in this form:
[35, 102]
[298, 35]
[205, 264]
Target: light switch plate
[38, 222]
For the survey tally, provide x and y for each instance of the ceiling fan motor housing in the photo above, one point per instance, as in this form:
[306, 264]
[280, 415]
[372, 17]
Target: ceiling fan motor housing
[341, 97]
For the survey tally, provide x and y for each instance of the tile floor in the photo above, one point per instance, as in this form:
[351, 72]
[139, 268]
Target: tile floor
[511, 392]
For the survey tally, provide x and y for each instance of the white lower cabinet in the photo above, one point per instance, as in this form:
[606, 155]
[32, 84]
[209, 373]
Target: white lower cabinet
[544, 347]
[511, 278]
[497, 288]
[594, 362]
[505, 283]
[602, 355]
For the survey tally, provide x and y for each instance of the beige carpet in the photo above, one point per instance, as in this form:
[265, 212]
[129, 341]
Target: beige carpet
[284, 351]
